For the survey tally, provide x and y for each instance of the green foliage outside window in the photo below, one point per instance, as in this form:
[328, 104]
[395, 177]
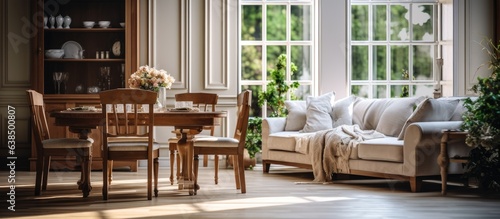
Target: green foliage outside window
[277, 89]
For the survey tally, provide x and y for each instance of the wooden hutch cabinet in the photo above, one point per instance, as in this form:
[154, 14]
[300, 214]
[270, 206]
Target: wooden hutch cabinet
[89, 61]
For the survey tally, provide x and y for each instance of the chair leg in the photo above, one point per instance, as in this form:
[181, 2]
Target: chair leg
[155, 174]
[196, 164]
[105, 179]
[241, 169]
[216, 168]
[110, 171]
[236, 173]
[39, 173]
[150, 177]
[205, 160]
[172, 158]
[46, 169]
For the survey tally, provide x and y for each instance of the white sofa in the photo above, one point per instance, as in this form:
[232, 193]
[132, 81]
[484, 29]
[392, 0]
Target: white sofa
[412, 128]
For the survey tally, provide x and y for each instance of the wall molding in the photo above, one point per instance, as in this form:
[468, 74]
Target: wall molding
[216, 48]
[180, 30]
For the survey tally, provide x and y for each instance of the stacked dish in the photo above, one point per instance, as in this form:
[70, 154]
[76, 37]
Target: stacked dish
[54, 53]
[104, 24]
[88, 24]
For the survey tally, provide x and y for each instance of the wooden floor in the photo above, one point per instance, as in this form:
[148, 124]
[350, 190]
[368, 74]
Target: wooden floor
[284, 193]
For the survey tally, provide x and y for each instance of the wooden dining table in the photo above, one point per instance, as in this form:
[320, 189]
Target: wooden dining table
[187, 124]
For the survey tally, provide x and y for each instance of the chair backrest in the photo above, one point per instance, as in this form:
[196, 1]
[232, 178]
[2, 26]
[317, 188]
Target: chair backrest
[204, 101]
[121, 109]
[38, 118]
[244, 102]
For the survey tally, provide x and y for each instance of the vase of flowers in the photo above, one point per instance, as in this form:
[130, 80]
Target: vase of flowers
[149, 78]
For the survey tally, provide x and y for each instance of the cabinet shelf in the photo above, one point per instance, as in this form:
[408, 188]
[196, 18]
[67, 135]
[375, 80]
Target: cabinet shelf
[95, 29]
[85, 60]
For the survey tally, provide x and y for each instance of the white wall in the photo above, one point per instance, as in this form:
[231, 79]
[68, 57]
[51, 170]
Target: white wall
[332, 75]
[473, 22]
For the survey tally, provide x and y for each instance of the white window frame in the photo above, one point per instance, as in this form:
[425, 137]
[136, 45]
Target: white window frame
[288, 43]
[370, 82]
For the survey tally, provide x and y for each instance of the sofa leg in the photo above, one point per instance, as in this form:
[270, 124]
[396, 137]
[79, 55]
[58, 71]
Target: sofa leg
[415, 184]
[265, 167]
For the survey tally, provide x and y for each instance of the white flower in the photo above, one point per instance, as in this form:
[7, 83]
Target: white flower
[149, 78]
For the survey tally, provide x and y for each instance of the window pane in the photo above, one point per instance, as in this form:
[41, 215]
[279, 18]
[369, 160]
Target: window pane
[380, 91]
[359, 22]
[251, 23]
[423, 57]
[251, 62]
[379, 62]
[302, 92]
[273, 52]
[301, 57]
[360, 90]
[276, 22]
[399, 22]
[379, 22]
[399, 62]
[398, 90]
[359, 63]
[423, 90]
[301, 22]
[422, 22]
[255, 109]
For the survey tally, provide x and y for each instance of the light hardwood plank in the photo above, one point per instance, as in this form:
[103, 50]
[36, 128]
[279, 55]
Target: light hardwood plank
[283, 193]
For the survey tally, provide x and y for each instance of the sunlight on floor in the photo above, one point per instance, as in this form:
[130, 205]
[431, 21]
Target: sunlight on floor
[210, 206]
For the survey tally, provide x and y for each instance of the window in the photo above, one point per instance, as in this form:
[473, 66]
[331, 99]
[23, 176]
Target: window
[393, 48]
[269, 28]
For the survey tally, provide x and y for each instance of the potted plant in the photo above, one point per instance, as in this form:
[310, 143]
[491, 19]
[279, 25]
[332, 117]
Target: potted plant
[482, 122]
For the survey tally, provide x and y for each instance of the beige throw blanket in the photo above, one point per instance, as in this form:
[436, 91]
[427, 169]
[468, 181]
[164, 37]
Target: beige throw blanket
[325, 144]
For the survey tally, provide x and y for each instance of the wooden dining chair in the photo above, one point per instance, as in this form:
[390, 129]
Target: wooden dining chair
[128, 134]
[46, 147]
[205, 102]
[227, 145]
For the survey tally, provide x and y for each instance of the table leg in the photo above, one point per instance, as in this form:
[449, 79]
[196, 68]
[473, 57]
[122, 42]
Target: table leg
[185, 150]
[86, 163]
[444, 161]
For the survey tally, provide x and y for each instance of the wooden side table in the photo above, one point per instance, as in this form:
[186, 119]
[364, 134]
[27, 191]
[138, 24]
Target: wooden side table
[444, 160]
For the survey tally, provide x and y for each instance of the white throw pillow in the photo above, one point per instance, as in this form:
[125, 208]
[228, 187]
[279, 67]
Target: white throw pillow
[318, 112]
[296, 117]
[394, 113]
[431, 110]
[342, 111]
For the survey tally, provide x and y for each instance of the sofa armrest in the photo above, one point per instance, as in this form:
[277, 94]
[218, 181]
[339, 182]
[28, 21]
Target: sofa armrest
[269, 126]
[422, 142]
[273, 125]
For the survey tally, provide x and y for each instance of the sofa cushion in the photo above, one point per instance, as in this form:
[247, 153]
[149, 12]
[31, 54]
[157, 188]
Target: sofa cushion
[381, 149]
[342, 111]
[284, 141]
[431, 110]
[359, 114]
[296, 117]
[386, 115]
[396, 112]
[460, 109]
[318, 112]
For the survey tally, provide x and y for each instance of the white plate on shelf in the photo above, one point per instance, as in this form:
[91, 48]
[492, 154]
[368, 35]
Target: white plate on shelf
[71, 50]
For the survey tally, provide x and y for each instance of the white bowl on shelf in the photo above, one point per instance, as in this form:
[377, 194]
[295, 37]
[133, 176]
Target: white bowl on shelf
[104, 24]
[88, 24]
[54, 53]
[122, 24]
